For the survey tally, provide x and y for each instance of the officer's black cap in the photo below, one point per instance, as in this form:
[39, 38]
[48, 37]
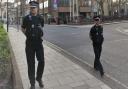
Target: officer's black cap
[96, 18]
[33, 4]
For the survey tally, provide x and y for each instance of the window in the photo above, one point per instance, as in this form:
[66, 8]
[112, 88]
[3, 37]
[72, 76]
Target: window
[85, 3]
[64, 3]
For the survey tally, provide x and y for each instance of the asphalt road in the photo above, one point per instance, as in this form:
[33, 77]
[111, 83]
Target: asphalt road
[75, 39]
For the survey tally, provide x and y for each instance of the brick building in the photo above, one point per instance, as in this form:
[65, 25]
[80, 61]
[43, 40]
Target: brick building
[71, 10]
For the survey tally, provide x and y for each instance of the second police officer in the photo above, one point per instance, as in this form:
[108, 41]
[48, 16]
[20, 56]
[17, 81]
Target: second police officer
[32, 28]
[96, 35]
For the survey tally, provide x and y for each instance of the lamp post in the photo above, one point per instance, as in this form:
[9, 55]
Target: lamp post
[17, 16]
[7, 17]
[1, 9]
[70, 10]
[43, 7]
[43, 12]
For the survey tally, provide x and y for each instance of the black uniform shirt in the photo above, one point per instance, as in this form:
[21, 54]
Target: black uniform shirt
[29, 22]
[96, 34]
[32, 20]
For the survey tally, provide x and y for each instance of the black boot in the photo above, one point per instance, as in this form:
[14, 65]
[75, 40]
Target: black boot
[40, 82]
[102, 73]
[96, 68]
[32, 87]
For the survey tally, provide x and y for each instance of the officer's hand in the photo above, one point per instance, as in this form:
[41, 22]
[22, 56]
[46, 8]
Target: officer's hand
[23, 30]
[41, 37]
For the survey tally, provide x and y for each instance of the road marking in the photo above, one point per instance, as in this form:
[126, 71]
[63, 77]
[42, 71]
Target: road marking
[112, 78]
[116, 40]
[126, 30]
[79, 26]
[74, 33]
[90, 25]
[125, 86]
[119, 30]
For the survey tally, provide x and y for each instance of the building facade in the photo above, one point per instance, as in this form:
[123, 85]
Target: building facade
[71, 10]
[67, 9]
[74, 10]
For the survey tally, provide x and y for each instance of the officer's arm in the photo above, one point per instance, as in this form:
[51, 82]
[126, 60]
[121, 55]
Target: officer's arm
[102, 33]
[90, 34]
[23, 30]
[101, 30]
[42, 21]
[23, 26]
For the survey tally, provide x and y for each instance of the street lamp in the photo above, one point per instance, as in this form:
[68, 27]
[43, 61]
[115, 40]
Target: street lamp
[7, 17]
[1, 9]
[43, 7]
[70, 10]
[43, 11]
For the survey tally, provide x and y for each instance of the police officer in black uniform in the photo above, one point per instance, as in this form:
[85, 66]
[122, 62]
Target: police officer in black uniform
[32, 28]
[96, 35]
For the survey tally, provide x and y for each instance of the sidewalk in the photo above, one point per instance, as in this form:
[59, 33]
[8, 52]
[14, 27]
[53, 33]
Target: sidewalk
[59, 73]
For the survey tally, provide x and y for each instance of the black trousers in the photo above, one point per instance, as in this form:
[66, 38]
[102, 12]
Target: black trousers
[97, 51]
[31, 51]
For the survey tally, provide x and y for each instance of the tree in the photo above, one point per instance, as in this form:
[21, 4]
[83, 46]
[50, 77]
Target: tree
[110, 7]
[101, 6]
[118, 4]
